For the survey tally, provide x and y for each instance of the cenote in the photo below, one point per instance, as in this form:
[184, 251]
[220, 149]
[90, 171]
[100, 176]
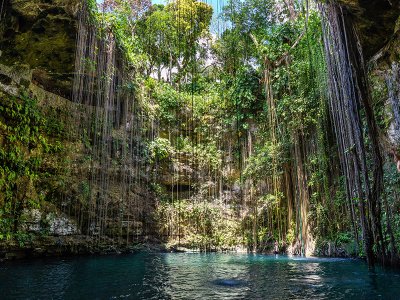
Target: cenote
[229, 129]
[196, 276]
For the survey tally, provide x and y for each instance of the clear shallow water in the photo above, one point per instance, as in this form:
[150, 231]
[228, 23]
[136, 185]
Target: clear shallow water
[195, 276]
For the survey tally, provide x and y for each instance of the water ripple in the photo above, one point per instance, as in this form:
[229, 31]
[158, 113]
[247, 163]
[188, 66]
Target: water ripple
[195, 276]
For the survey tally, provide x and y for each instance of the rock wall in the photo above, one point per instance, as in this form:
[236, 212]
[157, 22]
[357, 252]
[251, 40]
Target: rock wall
[378, 26]
[376, 21]
[37, 61]
[38, 40]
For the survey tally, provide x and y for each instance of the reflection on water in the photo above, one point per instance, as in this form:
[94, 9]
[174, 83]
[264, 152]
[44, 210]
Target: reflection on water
[195, 276]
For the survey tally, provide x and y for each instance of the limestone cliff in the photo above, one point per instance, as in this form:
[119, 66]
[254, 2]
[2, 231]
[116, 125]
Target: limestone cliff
[375, 20]
[378, 27]
[38, 43]
[58, 197]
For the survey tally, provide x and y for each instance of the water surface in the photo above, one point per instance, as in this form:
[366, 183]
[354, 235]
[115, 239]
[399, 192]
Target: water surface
[195, 276]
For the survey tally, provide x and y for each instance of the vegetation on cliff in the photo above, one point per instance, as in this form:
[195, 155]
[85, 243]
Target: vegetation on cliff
[208, 132]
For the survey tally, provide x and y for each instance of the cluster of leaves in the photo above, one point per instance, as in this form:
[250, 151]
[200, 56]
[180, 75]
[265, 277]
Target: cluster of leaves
[171, 36]
[260, 164]
[203, 225]
[244, 98]
[121, 17]
[24, 144]
[161, 149]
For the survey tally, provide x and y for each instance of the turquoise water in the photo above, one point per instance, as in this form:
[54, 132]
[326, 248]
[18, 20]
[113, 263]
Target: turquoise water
[195, 276]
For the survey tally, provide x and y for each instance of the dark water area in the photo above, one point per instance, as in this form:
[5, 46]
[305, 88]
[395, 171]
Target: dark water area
[195, 276]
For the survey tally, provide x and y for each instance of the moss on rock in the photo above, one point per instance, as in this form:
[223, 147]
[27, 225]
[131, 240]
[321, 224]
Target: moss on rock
[41, 35]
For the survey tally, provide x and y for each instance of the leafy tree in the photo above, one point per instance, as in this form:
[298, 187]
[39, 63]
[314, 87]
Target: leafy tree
[172, 35]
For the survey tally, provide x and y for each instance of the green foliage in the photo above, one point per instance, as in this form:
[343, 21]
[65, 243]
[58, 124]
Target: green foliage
[202, 107]
[291, 234]
[391, 194]
[160, 149]
[171, 34]
[203, 225]
[344, 238]
[23, 238]
[244, 97]
[169, 103]
[205, 113]
[260, 164]
[121, 17]
[24, 145]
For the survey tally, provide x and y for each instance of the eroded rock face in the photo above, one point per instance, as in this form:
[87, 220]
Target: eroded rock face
[375, 21]
[61, 225]
[36, 221]
[393, 84]
[378, 27]
[31, 220]
[40, 35]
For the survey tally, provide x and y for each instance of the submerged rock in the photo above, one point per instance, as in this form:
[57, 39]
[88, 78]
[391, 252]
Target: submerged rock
[229, 282]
